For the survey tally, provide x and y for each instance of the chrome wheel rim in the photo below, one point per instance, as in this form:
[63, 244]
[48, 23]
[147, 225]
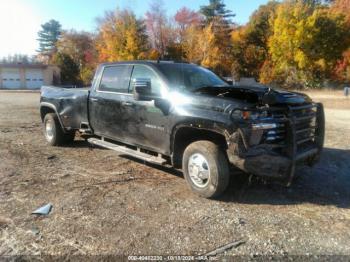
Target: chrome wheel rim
[198, 170]
[49, 130]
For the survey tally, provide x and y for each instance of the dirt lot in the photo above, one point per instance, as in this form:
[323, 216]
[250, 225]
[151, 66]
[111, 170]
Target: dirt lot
[113, 205]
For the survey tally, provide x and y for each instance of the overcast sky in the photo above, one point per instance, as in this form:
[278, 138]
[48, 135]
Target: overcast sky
[20, 20]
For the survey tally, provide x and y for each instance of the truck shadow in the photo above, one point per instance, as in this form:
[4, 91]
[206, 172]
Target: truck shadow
[327, 183]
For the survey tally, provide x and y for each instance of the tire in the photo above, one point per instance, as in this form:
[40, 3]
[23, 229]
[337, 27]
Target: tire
[53, 131]
[195, 169]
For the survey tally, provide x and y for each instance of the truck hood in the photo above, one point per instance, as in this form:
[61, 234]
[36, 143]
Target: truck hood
[259, 95]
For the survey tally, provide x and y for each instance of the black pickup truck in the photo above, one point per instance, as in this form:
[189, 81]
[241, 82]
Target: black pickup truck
[186, 116]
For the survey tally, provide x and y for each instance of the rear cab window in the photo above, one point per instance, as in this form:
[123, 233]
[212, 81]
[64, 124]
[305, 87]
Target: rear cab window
[115, 79]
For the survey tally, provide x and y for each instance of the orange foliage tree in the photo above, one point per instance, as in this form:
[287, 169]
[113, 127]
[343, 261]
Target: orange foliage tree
[121, 37]
[80, 47]
[250, 44]
[306, 42]
[342, 68]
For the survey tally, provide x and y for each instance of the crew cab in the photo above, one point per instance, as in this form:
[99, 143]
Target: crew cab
[186, 116]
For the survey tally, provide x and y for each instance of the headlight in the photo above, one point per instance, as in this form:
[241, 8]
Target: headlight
[248, 115]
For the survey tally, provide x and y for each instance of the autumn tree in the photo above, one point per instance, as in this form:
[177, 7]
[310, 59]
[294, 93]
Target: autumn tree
[121, 37]
[250, 42]
[210, 49]
[342, 6]
[217, 29]
[182, 20]
[160, 32]
[75, 44]
[185, 18]
[206, 46]
[307, 40]
[69, 69]
[190, 44]
[80, 47]
[342, 68]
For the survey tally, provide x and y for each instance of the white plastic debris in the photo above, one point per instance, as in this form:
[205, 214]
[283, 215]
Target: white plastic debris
[44, 210]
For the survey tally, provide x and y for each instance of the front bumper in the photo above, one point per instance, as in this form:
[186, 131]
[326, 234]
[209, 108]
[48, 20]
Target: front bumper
[301, 137]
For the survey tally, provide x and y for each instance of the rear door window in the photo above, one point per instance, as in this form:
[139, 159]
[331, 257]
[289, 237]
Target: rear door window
[116, 79]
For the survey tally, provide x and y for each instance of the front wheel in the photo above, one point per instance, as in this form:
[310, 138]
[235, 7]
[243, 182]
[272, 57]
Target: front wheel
[53, 131]
[206, 169]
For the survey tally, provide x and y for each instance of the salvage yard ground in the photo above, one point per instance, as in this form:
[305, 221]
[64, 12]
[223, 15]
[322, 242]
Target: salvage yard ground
[106, 204]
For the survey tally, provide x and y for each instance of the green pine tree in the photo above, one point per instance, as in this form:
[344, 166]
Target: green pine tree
[48, 37]
[216, 9]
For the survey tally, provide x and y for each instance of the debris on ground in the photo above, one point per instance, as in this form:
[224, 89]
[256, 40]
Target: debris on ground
[224, 248]
[241, 221]
[35, 230]
[51, 157]
[4, 222]
[120, 181]
[43, 211]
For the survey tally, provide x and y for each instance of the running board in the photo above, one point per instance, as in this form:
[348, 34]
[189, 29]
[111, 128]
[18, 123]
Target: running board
[127, 151]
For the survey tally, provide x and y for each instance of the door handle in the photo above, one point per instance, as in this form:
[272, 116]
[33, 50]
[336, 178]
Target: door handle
[93, 99]
[127, 104]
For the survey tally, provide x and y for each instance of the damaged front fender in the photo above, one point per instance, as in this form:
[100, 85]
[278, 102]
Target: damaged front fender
[259, 159]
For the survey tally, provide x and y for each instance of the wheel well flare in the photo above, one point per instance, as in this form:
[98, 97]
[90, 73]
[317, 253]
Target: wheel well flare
[186, 135]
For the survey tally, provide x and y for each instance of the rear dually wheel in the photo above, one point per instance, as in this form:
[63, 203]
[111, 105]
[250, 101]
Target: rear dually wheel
[53, 131]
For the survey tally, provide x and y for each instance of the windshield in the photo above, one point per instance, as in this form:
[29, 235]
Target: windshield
[190, 77]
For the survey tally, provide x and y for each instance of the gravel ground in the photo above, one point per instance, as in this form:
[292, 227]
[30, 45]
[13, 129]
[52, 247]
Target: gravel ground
[106, 204]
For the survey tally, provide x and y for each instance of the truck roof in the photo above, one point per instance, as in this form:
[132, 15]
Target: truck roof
[143, 62]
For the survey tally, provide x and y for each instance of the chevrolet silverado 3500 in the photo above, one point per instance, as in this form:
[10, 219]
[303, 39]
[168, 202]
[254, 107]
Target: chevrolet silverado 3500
[184, 115]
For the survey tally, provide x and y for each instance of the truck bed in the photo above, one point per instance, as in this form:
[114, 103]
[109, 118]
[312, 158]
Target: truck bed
[71, 104]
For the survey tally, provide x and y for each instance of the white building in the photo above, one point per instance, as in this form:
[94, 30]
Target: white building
[27, 76]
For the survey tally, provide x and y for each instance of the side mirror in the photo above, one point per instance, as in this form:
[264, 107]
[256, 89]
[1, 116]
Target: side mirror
[142, 89]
